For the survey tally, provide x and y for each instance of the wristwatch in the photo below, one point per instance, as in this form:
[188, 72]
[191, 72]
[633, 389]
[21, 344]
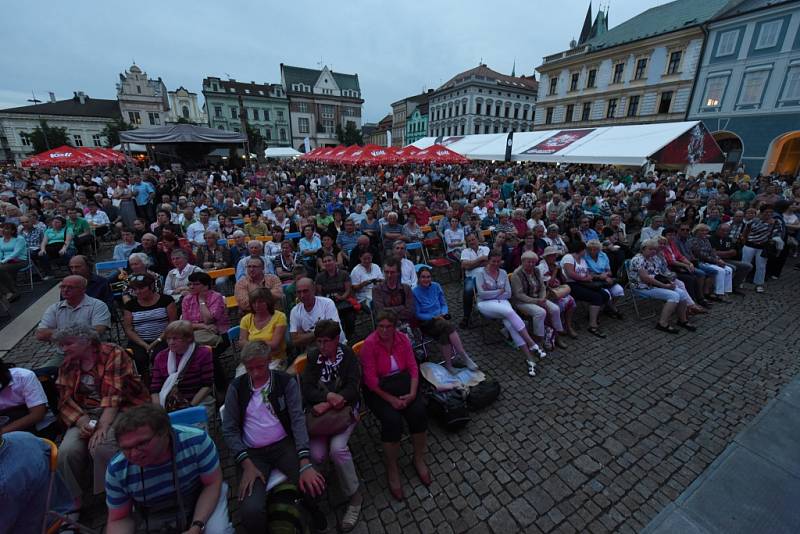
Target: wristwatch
[198, 523]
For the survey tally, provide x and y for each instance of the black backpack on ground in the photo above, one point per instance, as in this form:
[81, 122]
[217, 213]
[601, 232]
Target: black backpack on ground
[449, 408]
[482, 395]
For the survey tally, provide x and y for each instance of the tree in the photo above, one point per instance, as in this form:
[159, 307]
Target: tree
[255, 138]
[340, 134]
[43, 137]
[351, 135]
[112, 130]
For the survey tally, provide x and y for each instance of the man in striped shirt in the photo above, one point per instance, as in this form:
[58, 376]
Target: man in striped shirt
[756, 236]
[161, 472]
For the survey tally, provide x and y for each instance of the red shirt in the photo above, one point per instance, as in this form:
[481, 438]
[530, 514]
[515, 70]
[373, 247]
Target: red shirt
[423, 215]
[375, 361]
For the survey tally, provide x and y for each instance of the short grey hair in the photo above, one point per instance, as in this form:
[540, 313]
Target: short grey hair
[179, 252]
[255, 349]
[142, 257]
[649, 243]
[77, 330]
[594, 243]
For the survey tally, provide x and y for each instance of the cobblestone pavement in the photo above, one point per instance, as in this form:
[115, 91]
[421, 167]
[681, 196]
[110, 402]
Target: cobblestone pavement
[609, 433]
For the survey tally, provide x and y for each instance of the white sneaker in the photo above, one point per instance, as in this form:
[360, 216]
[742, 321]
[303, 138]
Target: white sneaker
[531, 368]
[350, 518]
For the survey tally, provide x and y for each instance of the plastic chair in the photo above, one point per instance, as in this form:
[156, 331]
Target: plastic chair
[298, 365]
[230, 302]
[223, 242]
[293, 235]
[29, 268]
[233, 336]
[441, 261]
[633, 293]
[357, 348]
[109, 266]
[195, 416]
[264, 238]
[219, 273]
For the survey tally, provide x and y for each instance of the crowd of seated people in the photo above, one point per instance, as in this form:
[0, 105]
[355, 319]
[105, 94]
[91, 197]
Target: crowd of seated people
[294, 253]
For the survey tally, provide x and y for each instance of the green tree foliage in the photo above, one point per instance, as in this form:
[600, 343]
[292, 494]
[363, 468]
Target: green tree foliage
[349, 135]
[44, 137]
[112, 130]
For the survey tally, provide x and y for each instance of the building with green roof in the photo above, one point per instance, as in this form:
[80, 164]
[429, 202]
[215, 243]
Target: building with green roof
[319, 101]
[640, 71]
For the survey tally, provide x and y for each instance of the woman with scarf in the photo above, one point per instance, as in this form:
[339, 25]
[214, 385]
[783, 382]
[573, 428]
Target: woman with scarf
[183, 373]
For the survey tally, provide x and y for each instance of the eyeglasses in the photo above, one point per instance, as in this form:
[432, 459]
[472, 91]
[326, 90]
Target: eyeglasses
[138, 446]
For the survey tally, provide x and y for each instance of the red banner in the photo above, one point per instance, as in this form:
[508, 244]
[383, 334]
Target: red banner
[558, 141]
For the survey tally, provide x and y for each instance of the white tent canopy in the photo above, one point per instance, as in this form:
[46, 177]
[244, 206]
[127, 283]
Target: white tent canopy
[281, 152]
[631, 145]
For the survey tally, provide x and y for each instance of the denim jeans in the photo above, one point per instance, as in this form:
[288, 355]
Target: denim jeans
[469, 296]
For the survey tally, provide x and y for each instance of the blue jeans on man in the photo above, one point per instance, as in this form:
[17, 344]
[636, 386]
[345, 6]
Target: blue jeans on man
[469, 299]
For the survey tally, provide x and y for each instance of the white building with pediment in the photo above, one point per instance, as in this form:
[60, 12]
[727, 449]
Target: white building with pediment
[319, 101]
[183, 105]
[143, 101]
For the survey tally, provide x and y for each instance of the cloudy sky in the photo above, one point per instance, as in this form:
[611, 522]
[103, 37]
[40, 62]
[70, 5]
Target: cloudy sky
[397, 48]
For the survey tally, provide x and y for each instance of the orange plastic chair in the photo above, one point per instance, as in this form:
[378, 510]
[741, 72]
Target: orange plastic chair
[219, 273]
[298, 366]
[264, 238]
[230, 302]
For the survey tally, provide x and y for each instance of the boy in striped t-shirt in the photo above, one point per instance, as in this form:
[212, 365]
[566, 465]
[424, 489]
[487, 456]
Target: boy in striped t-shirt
[156, 457]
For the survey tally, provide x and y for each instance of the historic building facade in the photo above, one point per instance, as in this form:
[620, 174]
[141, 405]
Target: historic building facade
[640, 71]
[401, 113]
[84, 118]
[481, 100]
[321, 100]
[183, 105]
[417, 124]
[379, 134]
[264, 107]
[143, 101]
[748, 87]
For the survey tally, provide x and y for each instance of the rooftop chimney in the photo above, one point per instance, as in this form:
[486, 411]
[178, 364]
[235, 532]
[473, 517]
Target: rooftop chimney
[52, 96]
[82, 97]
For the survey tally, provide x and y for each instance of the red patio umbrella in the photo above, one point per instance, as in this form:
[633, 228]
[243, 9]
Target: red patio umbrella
[404, 153]
[321, 153]
[438, 154]
[338, 154]
[63, 156]
[313, 154]
[370, 155]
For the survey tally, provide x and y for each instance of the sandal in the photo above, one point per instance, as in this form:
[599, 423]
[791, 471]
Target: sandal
[596, 332]
[668, 329]
[688, 326]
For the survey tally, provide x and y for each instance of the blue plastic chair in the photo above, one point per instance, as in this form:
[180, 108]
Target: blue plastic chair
[416, 245]
[110, 265]
[292, 235]
[233, 335]
[195, 416]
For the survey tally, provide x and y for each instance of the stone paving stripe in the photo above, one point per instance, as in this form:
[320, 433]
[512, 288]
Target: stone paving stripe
[16, 330]
[602, 380]
[775, 436]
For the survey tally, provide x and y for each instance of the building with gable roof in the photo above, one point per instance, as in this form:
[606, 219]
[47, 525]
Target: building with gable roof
[481, 100]
[401, 113]
[183, 105]
[143, 101]
[84, 119]
[639, 71]
[319, 101]
[747, 90]
[264, 106]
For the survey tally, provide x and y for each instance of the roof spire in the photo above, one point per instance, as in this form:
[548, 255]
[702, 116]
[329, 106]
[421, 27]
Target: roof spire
[587, 25]
[514, 68]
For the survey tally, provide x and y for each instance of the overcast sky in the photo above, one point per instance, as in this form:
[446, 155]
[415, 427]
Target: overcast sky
[397, 48]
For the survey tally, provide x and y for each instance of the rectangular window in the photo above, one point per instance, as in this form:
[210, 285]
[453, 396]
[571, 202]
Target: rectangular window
[462, 129]
[486, 128]
[753, 87]
[255, 114]
[674, 62]
[283, 134]
[714, 89]
[553, 86]
[586, 112]
[570, 112]
[612, 108]
[155, 118]
[496, 129]
[77, 140]
[633, 106]
[548, 118]
[478, 108]
[134, 118]
[768, 34]
[268, 134]
[463, 109]
[302, 107]
[573, 82]
[24, 139]
[234, 112]
[619, 68]
[641, 68]
[791, 90]
[280, 114]
[303, 125]
[665, 102]
[218, 112]
[525, 114]
[727, 43]
[328, 126]
[591, 78]
[508, 110]
[497, 110]
[516, 113]
[266, 115]
[327, 111]
[96, 140]
[477, 129]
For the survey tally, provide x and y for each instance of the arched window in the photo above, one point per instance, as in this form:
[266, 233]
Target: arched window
[185, 112]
